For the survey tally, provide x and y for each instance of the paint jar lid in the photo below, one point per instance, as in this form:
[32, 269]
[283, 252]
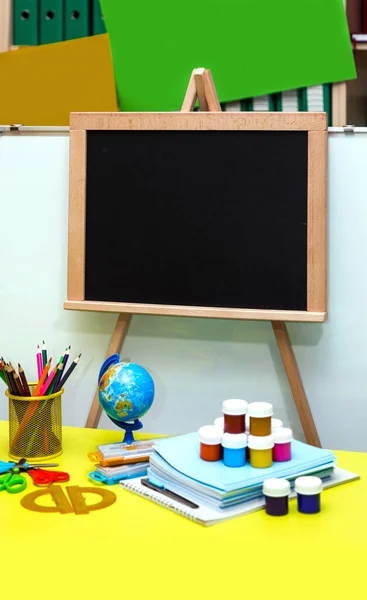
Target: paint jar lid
[275, 423]
[260, 409]
[219, 422]
[264, 442]
[282, 435]
[210, 434]
[276, 488]
[234, 440]
[308, 486]
[234, 407]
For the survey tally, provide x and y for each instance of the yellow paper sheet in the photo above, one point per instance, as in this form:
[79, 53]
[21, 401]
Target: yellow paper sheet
[42, 85]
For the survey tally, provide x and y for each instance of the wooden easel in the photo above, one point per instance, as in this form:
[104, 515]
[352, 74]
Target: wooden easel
[201, 87]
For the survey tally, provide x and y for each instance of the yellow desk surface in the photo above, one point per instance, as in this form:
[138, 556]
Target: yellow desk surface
[137, 547]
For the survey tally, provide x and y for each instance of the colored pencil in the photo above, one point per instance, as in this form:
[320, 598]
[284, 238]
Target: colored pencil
[68, 373]
[48, 382]
[18, 385]
[56, 380]
[63, 365]
[44, 355]
[42, 379]
[23, 380]
[39, 362]
[2, 373]
[11, 378]
[8, 379]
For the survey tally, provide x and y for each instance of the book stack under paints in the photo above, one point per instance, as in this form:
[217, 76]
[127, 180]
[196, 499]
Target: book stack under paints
[218, 493]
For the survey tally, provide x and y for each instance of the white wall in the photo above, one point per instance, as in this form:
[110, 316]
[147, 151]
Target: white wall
[196, 363]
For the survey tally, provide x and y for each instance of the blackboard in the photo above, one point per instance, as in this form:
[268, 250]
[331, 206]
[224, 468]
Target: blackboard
[198, 218]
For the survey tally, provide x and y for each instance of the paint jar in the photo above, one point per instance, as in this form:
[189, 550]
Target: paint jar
[234, 415]
[234, 449]
[261, 451]
[276, 492]
[210, 443]
[219, 422]
[260, 418]
[275, 423]
[308, 494]
[282, 450]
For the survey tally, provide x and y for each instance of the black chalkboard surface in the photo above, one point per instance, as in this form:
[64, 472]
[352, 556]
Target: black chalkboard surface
[197, 218]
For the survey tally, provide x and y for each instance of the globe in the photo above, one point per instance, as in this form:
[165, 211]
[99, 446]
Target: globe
[126, 392]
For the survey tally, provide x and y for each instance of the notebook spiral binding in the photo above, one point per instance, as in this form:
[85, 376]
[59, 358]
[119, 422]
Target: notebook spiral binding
[161, 500]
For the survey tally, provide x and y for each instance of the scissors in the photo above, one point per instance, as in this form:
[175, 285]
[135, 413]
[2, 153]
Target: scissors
[5, 467]
[13, 482]
[41, 476]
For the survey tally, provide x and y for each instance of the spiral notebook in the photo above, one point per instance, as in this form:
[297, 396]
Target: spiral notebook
[205, 515]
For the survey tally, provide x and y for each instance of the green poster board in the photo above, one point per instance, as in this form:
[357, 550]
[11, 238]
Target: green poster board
[253, 47]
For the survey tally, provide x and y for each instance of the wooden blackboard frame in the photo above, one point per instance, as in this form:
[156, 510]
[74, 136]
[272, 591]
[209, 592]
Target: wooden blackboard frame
[316, 126]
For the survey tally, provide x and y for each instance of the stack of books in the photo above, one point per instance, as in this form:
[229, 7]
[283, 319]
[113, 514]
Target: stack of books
[116, 462]
[218, 491]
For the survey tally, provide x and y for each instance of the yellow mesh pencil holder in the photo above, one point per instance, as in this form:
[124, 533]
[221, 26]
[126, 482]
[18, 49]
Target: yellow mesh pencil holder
[35, 429]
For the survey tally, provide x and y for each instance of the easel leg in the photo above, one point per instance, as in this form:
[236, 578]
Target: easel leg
[117, 339]
[295, 382]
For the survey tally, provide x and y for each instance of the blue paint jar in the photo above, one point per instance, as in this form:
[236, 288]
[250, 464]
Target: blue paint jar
[308, 491]
[234, 449]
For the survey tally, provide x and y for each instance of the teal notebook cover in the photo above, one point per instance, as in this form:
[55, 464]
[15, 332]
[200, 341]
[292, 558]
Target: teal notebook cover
[182, 453]
[51, 21]
[25, 23]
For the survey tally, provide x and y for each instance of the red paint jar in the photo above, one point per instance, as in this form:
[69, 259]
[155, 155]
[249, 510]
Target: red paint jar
[210, 443]
[282, 451]
[234, 412]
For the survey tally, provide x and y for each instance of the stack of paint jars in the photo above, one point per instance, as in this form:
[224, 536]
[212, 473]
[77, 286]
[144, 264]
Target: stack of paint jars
[246, 431]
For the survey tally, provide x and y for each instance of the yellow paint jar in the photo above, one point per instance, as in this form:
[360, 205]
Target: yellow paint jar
[261, 451]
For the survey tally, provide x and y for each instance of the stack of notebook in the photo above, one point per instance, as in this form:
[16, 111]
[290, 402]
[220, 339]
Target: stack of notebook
[121, 461]
[222, 492]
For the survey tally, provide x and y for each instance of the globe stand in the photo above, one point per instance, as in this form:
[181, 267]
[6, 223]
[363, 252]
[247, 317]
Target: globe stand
[129, 428]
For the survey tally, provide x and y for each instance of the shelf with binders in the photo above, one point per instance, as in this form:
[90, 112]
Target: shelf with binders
[39, 22]
[349, 98]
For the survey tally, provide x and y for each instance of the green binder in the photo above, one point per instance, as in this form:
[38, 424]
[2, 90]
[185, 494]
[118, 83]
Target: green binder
[290, 101]
[262, 103]
[25, 22]
[77, 19]
[317, 99]
[98, 22]
[239, 106]
[51, 21]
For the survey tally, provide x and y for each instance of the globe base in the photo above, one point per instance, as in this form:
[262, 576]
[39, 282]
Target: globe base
[129, 428]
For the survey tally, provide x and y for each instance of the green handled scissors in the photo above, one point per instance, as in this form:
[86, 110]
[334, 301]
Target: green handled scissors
[13, 482]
